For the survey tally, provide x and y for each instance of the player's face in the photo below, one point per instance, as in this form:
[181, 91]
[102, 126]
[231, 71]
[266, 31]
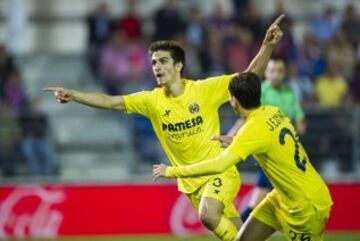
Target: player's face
[275, 72]
[164, 68]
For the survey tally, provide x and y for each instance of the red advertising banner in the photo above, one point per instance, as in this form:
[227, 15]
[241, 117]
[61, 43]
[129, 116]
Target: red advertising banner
[57, 210]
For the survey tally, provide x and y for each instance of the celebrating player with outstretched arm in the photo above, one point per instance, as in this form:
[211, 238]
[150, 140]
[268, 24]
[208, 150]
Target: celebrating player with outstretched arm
[184, 115]
[300, 202]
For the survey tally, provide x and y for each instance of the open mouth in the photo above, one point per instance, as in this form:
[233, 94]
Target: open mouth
[159, 75]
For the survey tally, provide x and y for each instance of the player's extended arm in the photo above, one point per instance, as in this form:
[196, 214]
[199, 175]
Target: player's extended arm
[98, 100]
[272, 37]
[212, 166]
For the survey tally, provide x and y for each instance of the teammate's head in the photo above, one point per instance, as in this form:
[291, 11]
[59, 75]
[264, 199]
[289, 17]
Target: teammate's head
[275, 71]
[168, 61]
[245, 90]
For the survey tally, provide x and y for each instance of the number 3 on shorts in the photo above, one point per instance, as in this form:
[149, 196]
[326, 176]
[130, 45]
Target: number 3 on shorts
[217, 182]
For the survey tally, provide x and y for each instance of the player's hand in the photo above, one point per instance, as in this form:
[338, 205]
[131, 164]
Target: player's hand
[62, 95]
[225, 141]
[274, 33]
[159, 171]
[300, 127]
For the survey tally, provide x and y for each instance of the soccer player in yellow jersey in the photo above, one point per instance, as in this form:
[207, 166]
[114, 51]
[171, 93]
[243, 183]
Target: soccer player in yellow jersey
[184, 115]
[300, 202]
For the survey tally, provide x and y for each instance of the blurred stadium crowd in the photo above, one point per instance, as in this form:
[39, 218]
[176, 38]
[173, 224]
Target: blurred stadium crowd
[323, 69]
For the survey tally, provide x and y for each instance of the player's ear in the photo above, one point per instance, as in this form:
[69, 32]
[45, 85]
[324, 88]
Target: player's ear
[234, 102]
[179, 66]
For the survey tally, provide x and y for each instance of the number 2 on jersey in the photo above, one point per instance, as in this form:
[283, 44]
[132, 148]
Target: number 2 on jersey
[300, 164]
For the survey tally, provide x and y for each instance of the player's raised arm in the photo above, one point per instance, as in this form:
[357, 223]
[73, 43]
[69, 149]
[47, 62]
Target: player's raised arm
[98, 100]
[272, 37]
[212, 166]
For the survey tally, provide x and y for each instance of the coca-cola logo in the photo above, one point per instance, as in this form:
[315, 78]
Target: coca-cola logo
[28, 211]
[184, 219]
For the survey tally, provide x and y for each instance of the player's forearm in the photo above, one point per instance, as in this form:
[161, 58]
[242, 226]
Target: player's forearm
[212, 166]
[98, 100]
[199, 169]
[236, 127]
[258, 64]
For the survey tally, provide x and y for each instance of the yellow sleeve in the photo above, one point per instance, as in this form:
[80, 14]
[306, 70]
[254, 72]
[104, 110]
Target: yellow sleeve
[212, 166]
[139, 103]
[216, 89]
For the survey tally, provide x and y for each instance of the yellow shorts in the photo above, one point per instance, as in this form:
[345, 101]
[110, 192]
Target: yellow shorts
[223, 187]
[308, 225]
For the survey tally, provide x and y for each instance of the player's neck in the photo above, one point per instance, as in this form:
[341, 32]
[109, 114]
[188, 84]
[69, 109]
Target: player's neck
[247, 112]
[175, 88]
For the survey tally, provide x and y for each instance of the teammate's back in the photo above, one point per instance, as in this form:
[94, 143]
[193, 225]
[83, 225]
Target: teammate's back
[284, 160]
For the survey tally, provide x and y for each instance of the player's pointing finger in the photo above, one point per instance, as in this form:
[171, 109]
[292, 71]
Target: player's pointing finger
[278, 20]
[51, 89]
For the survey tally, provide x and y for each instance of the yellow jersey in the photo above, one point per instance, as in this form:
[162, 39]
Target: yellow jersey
[269, 136]
[185, 124]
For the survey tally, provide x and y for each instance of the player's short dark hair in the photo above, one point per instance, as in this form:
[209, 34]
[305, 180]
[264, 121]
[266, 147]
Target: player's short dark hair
[246, 88]
[177, 53]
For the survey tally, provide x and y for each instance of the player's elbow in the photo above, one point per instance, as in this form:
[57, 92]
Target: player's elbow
[117, 103]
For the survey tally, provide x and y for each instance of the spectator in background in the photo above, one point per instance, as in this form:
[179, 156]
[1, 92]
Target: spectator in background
[240, 6]
[220, 21]
[131, 23]
[145, 141]
[355, 85]
[9, 140]
[326, 25]
[193, 68]
[35, 145]
[214, 59]
[341, 51]
[287, 48]
[99, 25]
[252, 20]
[196, 29]
[301, 84]
[6, 68]
[121, 62]
[15, 96]
[332, 93]
[310, 60]
[197, 38]
[238, 51]
[168, 21]
[351, 24]
[331, 88]
[114, 63]
[280, 8]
